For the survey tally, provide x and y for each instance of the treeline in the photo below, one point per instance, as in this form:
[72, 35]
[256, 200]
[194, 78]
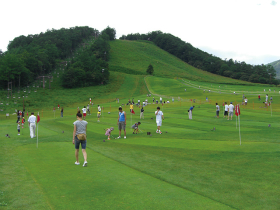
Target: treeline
[30, 56]
[89, 65]
[208, 62]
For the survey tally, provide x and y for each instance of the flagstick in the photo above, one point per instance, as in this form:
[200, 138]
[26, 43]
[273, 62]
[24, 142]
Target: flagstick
[37, 134]
[236, 121]
[239, 129]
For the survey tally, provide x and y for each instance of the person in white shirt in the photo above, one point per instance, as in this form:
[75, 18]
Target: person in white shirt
[160, 100]
[84, 112]
[217, 110]
[266, 98]
[32, 124]
[230, 110]
[245, 100]
[99, 109]
[226, 110]
[159, 118]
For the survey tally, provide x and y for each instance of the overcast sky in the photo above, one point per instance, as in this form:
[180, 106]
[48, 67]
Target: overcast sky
[244, 30]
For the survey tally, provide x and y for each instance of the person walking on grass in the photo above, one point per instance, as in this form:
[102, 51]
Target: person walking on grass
[190, 112]
[32, 124]
[79, 137]
[84, 112]
[142, 112]
[226, 110]
[122, 122]
[159, 118]
[217, 110]
[230, 110]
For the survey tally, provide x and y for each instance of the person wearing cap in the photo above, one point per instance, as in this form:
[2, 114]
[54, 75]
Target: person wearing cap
[230, 110]
[122, 122]
[159, 118]
[32, 124]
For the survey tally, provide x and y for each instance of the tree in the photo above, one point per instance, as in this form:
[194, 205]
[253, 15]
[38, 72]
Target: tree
[111, 32]
[150, 70]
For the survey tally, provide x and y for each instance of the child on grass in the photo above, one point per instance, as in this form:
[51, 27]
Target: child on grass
[98, 115]
[18, 127]
[22, 122]
[108, 132]
[135, 127]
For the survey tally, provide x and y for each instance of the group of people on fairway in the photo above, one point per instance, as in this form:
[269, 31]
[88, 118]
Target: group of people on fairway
[228, 110]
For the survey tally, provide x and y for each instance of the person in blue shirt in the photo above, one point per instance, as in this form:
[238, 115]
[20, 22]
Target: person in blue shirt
[190, 112]
[122, 122]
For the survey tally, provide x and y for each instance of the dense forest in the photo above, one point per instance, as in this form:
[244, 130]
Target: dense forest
[207, 62]
[31, 56]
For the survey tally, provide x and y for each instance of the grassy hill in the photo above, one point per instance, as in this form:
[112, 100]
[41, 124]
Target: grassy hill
[134, 57]
[276, 65]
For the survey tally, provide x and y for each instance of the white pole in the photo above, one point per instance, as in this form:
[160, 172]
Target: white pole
[37, 134]
[236, 120]
[239, 129]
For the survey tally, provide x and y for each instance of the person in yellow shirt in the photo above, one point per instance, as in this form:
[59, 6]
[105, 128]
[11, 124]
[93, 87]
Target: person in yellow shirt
[131, 107]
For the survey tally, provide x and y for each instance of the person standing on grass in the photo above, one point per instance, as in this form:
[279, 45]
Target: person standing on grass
[142, 113]
[266, 98]
[98, 116]
[80, 127]
[131, 108]
[226, 110]
[217, 110]
[88, 110]
[230, 110]
[99, 109]
[32, 124]
[246, 101]
[190, 112]
[18, 127]
[61, 112]
[122, 122]
[84, 112]
[159, 118]
[259, 97]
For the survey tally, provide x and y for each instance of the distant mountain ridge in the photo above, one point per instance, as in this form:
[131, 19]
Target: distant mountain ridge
[276, 65]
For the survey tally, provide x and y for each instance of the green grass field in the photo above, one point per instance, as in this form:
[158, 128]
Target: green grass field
[190, 166]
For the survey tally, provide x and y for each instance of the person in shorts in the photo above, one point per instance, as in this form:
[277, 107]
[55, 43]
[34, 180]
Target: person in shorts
[122, 122]
[98, 116]
[84, 112]
[217, 110]
[159, 118]
[135, 127]
[230, 110]
[80, 127]
[226, 110]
